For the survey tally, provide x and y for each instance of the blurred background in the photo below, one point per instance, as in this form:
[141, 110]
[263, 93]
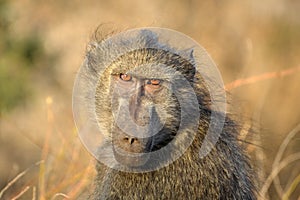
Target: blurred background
[42, 45]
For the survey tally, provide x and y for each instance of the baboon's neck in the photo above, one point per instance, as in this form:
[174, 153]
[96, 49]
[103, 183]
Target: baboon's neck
[216, 176]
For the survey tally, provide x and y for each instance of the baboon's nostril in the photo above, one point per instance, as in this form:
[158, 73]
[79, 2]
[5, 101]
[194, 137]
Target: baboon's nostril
[131, 140]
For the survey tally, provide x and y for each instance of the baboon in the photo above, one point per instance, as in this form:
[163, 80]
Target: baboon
[154, 111]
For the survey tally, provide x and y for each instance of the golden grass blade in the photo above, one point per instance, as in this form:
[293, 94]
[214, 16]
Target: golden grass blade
[60, 195]
[20, 193]
[45, 150]
[33, 193]
[292, 188]
[9, 184]
[278, 157]
[261, 77]
[292, 158]
[82, 183]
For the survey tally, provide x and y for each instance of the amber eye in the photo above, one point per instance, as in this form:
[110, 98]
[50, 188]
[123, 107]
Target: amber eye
[154, 82]
[125, 77]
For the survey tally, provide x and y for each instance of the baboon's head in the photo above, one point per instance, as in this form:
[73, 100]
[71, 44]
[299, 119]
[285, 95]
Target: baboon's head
[142, 102]
[136, 98]
[144, 96]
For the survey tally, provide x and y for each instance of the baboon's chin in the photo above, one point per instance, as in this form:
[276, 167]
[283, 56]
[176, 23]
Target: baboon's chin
[130, 159]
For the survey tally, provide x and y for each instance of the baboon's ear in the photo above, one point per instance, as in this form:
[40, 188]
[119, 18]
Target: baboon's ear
[191, 54]
[190, 68]
[188, 54]
[148, 37]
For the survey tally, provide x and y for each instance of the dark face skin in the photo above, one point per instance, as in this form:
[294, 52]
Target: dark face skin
[138, 108]
[138, 128]
[134, 89]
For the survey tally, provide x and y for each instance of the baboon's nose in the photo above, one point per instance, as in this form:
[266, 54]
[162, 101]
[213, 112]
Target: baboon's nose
[130, 140]
[129, 143]
[128, 150]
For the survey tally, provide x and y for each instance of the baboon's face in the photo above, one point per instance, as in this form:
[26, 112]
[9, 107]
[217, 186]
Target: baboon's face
[135, 99]
[144, 114]
[144, 111]
[138, 96]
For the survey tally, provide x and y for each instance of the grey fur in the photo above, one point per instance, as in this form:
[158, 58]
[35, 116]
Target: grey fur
[225, 173]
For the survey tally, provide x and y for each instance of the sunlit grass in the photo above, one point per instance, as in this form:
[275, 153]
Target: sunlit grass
[62, 173]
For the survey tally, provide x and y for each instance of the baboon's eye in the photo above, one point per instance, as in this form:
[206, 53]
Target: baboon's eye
[154, 83]
[125, 77]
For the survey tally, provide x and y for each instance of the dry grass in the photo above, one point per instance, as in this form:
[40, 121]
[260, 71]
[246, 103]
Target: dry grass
[74, 183]
[55, 180]
[256, 46]
[261, 77]
[278, 164]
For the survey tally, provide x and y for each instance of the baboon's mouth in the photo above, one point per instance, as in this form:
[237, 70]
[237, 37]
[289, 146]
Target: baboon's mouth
[130, 159]
[139, 151]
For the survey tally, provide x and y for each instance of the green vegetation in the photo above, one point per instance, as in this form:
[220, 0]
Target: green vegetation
[21, 57]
